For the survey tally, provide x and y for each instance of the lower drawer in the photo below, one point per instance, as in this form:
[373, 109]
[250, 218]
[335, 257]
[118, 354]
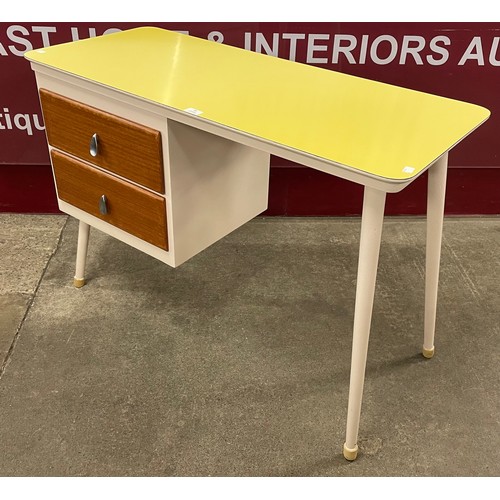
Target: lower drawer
[126, 206]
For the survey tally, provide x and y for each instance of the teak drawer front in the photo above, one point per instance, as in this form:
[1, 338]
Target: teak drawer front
[131, 208]
[123, 147]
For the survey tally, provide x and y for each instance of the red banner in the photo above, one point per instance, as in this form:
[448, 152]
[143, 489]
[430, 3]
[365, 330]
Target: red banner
[457, 60]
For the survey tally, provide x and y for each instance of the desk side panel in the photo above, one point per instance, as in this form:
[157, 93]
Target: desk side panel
[217, 186]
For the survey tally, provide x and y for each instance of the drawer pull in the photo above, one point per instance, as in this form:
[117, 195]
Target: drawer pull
[103, 207]
[94, 149]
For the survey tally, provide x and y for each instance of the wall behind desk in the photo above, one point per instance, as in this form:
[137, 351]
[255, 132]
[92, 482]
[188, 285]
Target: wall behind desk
[457, 60]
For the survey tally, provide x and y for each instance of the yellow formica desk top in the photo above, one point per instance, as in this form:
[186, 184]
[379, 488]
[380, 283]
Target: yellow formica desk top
[379, 129]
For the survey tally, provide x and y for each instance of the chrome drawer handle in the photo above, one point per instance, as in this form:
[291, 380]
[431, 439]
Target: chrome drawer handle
[103, 207]
[94, 148]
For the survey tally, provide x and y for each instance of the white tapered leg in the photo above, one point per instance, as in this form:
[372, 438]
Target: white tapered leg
[435, 212]
[81, 254]
[369, 247]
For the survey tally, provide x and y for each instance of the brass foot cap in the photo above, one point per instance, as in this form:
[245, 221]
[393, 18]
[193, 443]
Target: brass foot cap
[79, 282]
[350, 453]
[428, 353]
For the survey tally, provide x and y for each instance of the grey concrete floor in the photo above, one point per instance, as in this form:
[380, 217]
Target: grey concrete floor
[237, 363]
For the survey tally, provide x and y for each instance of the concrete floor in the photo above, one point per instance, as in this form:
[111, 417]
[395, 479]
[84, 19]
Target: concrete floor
[237, 363]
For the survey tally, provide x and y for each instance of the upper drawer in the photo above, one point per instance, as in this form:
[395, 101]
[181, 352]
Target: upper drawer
[123, 147]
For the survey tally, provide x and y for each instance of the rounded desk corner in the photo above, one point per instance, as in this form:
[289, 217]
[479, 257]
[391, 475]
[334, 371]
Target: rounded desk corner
[428, 353]
[350, 453]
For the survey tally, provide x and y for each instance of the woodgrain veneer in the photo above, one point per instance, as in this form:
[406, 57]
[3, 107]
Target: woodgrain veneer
[124, 147]
[131, 208]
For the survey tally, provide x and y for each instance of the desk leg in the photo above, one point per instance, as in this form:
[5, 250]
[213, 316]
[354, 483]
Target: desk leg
[81, 254]
[369, 247]
[435, 211]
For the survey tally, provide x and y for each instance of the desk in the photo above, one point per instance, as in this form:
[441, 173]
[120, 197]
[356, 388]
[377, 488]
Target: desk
[163, 141]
